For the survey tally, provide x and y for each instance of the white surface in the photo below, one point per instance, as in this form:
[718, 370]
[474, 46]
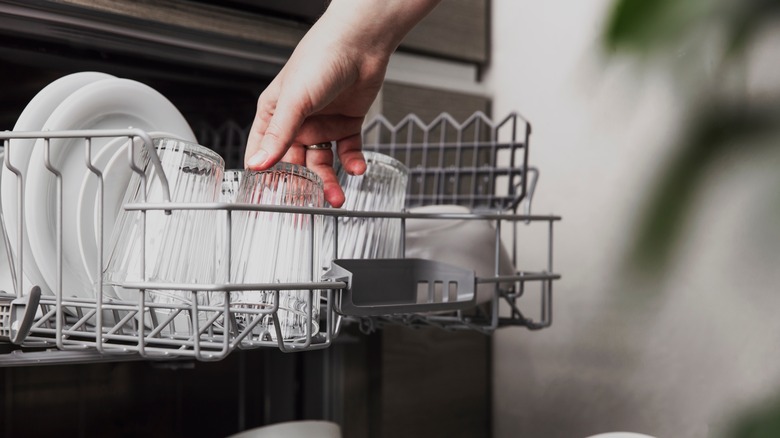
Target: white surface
[426, 226]
[444, 240]
[620, 435]
[294, 429]
[108, 104]
[33, 118]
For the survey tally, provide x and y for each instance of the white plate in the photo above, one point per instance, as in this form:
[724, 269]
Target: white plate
[33, 118]
[444, 240]
[620, 435]
[114, 164]
[6, 280]
[294, 429]
[87, 198]
[434, 225]
[108, 104]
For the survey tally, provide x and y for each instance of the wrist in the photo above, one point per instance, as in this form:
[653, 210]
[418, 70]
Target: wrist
[374, 27]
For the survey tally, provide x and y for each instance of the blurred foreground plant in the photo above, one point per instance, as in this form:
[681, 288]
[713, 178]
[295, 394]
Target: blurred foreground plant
[705, 43]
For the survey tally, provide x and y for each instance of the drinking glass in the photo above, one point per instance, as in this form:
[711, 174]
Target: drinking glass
[382, 187]
[180, 247]
[231, 181]
[270, 247]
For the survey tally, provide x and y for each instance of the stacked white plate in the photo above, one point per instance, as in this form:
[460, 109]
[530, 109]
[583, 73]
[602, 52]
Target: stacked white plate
[86, 100]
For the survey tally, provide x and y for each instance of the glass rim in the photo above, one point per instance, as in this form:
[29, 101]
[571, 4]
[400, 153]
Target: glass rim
[294, 169]
[232, 175]
[202, 151]
[385, 159]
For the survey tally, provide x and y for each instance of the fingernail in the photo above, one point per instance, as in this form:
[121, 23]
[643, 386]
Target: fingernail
[356, 166]
[258, 158]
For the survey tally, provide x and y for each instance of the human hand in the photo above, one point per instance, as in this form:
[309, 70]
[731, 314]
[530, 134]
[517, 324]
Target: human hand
[325, 90]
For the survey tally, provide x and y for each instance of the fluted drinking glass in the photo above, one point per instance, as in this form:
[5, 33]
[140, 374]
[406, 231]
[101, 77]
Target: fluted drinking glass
[382, 187]
[269, 247]
[180, 247]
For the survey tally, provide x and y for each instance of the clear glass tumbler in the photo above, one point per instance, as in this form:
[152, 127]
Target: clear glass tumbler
[231, 181]
[180, 247]
[382, 187]
[270, 247]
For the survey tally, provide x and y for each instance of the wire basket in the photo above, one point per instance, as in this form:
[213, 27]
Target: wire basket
[101, 327]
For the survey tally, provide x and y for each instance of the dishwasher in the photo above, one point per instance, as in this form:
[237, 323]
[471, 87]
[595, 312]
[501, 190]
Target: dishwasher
[478, 163]
[422, 367]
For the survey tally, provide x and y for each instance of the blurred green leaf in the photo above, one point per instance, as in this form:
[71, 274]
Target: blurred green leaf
[685, 32]
[633, 22]
[644, 24]
[720, 126]
[762, 421]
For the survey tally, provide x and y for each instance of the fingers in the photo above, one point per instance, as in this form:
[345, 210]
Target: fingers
[319, 128]
[255, 135]
[296, 154]
[350, 154]
[266, 105]
[321, 163]
[272, 136]
[275, 136]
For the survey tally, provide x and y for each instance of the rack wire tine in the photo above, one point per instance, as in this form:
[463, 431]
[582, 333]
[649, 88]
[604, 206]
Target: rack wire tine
[97, 281]
[154, 161]
[6, 240]
[20, 218]
[58, 235]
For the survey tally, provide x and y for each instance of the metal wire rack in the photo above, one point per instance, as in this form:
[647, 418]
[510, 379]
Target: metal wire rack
[477, 163]
[61, 328]
[481, 164]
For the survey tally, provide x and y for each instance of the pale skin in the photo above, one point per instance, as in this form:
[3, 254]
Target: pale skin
[325, 89]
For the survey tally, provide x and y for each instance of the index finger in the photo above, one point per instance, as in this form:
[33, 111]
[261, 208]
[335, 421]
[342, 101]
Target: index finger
[278, 134]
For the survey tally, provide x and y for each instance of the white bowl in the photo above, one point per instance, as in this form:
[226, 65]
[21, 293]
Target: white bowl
[620, 435]
[466, 243]
[294, 429]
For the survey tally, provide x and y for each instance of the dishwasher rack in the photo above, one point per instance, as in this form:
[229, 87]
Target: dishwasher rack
[480, 170]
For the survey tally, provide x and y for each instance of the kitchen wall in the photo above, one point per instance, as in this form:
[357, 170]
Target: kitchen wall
[681, 355]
